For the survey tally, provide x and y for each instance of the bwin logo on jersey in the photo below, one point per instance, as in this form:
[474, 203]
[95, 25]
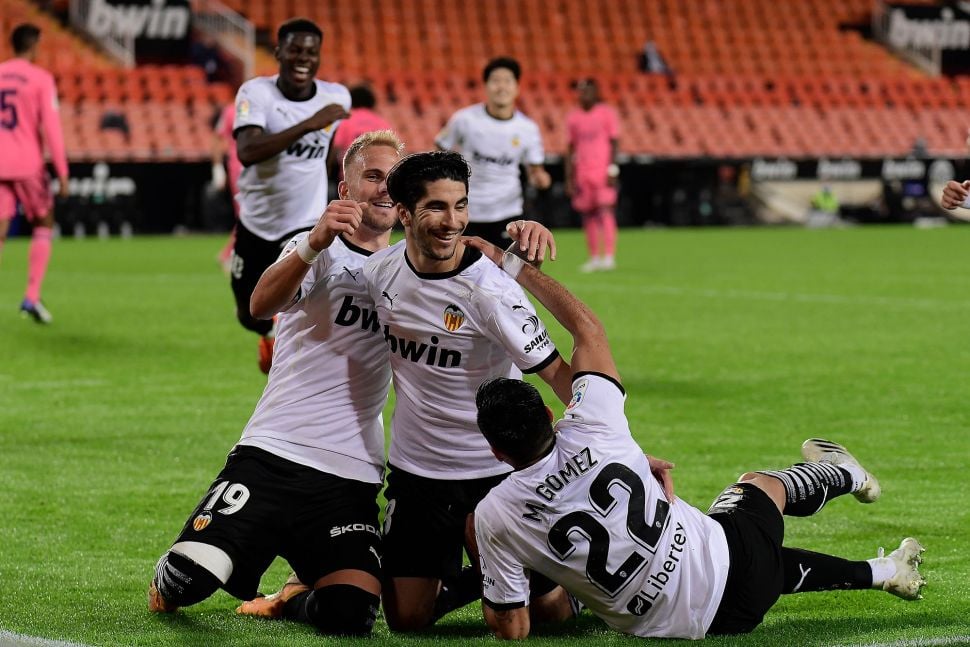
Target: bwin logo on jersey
[454, 317]
[298, 149]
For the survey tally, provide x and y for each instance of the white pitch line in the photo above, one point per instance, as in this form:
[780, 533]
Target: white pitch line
[10, 639]
[919, 642]
[837, 299]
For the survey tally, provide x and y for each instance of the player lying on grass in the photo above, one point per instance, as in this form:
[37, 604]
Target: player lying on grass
[582, 508]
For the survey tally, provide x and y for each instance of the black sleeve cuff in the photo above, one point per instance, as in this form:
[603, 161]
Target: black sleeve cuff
[605, 377]
[507, 606]
[544, 363]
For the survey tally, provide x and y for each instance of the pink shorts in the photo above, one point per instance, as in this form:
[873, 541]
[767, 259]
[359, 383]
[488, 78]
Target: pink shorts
[590, 195]
[33, 194]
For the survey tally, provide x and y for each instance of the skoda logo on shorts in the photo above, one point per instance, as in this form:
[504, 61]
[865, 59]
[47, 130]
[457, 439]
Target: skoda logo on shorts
[454, 317]
[202, 521]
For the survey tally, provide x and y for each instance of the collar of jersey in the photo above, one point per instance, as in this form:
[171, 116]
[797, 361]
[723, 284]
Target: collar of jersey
[276, 84]
[354, 248]
[467, 260]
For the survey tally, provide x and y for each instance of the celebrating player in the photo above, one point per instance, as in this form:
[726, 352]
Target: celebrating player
[592, 173]
[582, 508]
[303, 480]
[496, 139]
[451, 319]
[28, 106]
[283, 128]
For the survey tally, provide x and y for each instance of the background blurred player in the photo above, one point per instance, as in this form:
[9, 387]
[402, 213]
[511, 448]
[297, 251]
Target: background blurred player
[362, 119]
[603, 528]
[28, 111]
[284, 126]
[226, 167]
[496, 139]
[592, 173]
[300, 484]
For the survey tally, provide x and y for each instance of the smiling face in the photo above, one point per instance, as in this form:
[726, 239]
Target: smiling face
[501, 88]
[434, 229]
[299, 59]
[366, 181]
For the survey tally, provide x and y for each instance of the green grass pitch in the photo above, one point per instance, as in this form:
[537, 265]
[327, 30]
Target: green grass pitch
[735, 345]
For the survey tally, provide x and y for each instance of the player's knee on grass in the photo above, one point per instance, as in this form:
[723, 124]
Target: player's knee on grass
[342, 610]
[183, 582]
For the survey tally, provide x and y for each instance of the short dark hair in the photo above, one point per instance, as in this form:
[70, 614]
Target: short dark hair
[513, 419]
[361, 96]
[407, 181]
[297, 26]
[24, 37]
[502, 62]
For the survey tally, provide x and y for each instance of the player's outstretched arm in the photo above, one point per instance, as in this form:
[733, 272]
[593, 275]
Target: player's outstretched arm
[955, 194]
[279, 284]
[531, 239]
[254, 145]
[591, 349]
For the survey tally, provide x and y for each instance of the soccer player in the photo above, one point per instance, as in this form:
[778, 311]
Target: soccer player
[283, 128]
[451, 319]
[582, 509]
[592, 173]
[28, 111]
[496, 139]
[303, 480]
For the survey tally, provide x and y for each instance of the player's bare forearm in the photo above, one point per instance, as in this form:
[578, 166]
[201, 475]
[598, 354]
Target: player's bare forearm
[509, 624]
[591, 349]
[254, 145]
[277, 286]
[559, 376]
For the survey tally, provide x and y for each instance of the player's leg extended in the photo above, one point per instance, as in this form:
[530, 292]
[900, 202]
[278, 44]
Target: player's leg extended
[802, 489]
[8, 209]
[608, 222]
[898, 573]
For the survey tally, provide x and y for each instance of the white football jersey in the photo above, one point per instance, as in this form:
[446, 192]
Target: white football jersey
[448, 333]
[288, 191]
[324, 399]
[591, 517]
[494, 148]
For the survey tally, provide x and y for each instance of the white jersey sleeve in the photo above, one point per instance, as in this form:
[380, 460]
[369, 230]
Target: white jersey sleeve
[505, 582]
[252, 106]
[596, 405]
[317, 268]
[532, 150]
[450, 137]
[511, 321]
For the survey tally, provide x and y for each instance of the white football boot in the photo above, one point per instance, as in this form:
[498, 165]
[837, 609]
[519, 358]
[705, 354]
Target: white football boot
[819, 450]
[907, 581]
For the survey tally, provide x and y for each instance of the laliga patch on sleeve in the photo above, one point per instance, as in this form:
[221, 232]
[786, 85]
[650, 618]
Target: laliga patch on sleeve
[242, 110]
[579, 394]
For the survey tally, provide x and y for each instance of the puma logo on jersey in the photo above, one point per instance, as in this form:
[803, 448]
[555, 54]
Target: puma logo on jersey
[422, 353]
[349, 315]
[389, 297]
[353, 275]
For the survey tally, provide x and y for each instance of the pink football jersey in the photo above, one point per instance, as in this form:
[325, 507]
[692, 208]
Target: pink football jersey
[28, 105]
[590, 132]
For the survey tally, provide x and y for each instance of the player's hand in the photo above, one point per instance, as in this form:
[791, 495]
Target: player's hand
[488, 250]
[340, 217]
[660, 469]
[326, 116]
[540, 179]
[954, 193]
[530, 241]
[64, 190]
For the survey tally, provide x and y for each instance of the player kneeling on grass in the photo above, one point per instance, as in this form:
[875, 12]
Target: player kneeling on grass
[582, 508]
[303, 481]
